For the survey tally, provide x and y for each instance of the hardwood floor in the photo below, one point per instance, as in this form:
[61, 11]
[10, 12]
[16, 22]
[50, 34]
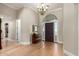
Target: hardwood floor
[8, 43]
[38, 49]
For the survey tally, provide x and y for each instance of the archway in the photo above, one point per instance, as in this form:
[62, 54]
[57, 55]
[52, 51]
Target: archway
[50, 18]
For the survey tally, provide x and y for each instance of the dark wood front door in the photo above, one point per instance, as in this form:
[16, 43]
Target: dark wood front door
[49, 32]
[0, 34]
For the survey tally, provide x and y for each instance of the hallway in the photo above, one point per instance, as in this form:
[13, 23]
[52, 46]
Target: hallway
[19, 21]
[39, 49]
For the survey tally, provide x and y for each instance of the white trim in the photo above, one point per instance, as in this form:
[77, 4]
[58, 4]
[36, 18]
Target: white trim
[57, 9]
[43, 38]
[24, 43]
[4, 39]
[54, 10]
[60, 42]
[67, 53]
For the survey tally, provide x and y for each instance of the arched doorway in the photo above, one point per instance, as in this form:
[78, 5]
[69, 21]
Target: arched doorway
[50, 28]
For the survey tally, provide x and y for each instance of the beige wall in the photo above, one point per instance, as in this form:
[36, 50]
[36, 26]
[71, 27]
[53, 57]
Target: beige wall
[70, 28]
[8, 15]
[7, 11]
[78, 29]
[11, 28]
[28, 18]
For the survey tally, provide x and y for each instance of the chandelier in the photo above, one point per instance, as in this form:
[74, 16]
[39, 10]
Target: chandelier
[42, 8]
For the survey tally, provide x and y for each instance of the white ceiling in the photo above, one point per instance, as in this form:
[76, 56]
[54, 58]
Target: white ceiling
[17, 6]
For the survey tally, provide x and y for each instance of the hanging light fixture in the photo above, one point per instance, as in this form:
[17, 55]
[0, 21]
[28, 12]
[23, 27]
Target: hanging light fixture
[42, 8]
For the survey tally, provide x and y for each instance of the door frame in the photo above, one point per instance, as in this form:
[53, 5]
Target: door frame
[43, 30]
[18, 30]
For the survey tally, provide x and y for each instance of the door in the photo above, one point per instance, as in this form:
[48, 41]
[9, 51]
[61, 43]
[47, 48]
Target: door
[0, 33]
[49, 32]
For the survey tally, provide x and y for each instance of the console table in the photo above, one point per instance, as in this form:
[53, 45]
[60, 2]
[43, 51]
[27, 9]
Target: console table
[35, 38]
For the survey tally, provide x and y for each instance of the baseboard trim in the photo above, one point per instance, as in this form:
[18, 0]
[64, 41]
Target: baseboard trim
[24, 43]
[60, 42]
[67, 53]
[8, 39]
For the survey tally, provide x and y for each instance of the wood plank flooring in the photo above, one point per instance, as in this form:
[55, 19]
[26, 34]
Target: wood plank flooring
[38, 49]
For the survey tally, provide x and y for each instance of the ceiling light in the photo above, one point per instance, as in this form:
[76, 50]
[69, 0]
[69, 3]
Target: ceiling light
[42, 8]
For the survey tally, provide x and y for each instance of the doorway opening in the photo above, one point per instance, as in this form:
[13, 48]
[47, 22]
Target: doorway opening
[50, 28]
[18, 30]
[50, 31]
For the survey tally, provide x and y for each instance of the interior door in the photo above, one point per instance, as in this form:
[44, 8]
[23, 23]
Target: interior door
[49, 32]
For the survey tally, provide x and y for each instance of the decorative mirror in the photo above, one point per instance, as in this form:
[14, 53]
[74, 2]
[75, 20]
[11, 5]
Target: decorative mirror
[34, 28]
